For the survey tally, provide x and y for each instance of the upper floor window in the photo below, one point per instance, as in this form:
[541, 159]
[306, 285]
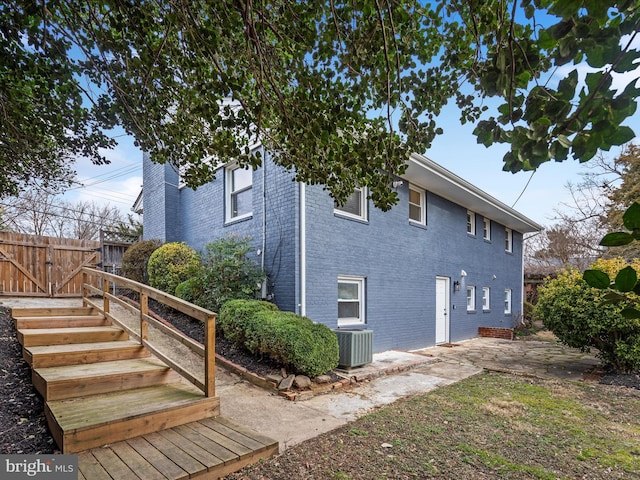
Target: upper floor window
[471, 222]
[486, 294]
[417, 210]
[507, 300]
[238, 188]
[355, 206]
[508, 240]
[471, 298]
[486, 228]
[350, 300]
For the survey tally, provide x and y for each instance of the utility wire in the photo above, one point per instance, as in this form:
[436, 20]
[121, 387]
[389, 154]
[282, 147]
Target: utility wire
[524, 189]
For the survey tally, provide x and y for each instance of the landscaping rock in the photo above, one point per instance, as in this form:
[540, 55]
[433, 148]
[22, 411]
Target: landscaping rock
[274, 378]
[302, 381]
[286, 383]
[322, 379]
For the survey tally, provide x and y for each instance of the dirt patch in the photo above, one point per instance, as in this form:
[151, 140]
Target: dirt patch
[23, 428]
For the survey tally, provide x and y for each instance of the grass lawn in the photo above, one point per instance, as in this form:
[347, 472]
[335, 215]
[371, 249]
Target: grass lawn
[488, 426]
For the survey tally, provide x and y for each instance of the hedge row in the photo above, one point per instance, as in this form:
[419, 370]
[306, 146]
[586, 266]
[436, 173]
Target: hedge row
[311, 349]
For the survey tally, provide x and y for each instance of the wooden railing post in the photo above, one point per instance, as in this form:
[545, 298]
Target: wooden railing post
[144, 311]
[85, 290]
[210, 356]
[105, 298]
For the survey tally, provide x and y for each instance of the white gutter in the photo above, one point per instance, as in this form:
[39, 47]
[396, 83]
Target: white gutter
[437, 179]
[264, 211]
[303, 250]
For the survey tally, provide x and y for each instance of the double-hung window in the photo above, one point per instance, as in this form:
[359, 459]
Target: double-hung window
[508, 240]
[355, 206]
[507, 300]
[486, 229]
[471, 222]
[238, 187]
[417, 210]
[486, 294]
[471, 298]
[351, 301]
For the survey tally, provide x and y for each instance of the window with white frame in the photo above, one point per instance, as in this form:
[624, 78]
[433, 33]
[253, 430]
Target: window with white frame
[486, 294]
[355, 206]
[471, 222]
[486, 228]
[417, 205]
[507, 300]
[471, 298]
[508, 240]
[238, 188]
[350, 300]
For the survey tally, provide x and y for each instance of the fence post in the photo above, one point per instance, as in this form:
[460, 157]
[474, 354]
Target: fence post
[210, 356]
[144, 311]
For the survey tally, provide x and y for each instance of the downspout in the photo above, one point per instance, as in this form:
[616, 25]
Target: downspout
[303, 250]
[264, 212]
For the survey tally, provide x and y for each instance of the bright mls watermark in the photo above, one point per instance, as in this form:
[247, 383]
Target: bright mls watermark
[51, 467]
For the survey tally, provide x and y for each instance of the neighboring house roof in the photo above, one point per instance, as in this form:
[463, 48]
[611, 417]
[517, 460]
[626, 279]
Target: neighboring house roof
[137, 205]
[437, 179]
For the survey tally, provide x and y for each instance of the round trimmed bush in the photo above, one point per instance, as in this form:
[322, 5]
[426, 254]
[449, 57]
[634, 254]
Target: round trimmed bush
[190, 290]
[136, 258]
[581, 317]
[311, 349]
[171, 264]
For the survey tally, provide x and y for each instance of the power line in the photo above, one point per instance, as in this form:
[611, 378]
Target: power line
[524, 189]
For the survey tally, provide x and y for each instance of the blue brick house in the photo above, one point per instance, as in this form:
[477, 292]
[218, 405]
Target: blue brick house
[443, 262]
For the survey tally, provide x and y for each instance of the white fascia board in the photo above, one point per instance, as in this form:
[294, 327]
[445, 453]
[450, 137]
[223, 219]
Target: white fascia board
[437, 179]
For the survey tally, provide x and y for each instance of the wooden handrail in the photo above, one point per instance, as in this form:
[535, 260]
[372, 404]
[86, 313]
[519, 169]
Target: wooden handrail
[146, 292]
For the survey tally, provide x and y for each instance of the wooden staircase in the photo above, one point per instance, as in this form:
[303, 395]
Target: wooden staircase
[126, 413]
[100, 387]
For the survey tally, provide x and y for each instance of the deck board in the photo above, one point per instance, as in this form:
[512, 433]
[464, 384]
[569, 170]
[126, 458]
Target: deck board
[136, 462]
[164, 464]
[177, 453]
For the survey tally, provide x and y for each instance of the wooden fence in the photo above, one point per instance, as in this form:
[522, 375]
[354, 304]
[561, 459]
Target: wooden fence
[38, 266]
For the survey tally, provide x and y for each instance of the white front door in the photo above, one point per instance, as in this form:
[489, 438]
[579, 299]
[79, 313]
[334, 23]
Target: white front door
[442, 310]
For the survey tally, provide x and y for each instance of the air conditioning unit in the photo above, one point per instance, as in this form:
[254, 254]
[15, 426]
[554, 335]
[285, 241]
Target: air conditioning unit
[355, 346]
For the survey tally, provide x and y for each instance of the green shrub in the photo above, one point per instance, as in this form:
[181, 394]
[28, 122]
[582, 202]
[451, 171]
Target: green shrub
[311, 349]
[581, 317]
[171, 264]
[190, 290]
[136, 258]
[235, 317]
[227, 273]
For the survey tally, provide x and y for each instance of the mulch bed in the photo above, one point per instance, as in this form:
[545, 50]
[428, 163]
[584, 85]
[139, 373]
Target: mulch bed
[23, 428]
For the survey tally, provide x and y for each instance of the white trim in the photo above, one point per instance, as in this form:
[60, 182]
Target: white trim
[228, 181]
[423, 204]
[486, 228]
[471, 306]
[508, 240]
[360, 282]
[364, 214]
[471, 222]
[508, 299]
[486, 296]
[303, 249]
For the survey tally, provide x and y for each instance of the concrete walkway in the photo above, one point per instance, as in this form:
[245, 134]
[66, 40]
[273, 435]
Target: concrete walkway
[293, 422]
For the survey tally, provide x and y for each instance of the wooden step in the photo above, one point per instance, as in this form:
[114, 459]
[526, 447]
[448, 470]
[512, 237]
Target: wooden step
[69, 321]
[82, 423]
[59, 336]
[69, 381]
[18, 312]
[82, 353]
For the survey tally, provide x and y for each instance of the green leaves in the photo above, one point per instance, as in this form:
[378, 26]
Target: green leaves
[339, 92]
